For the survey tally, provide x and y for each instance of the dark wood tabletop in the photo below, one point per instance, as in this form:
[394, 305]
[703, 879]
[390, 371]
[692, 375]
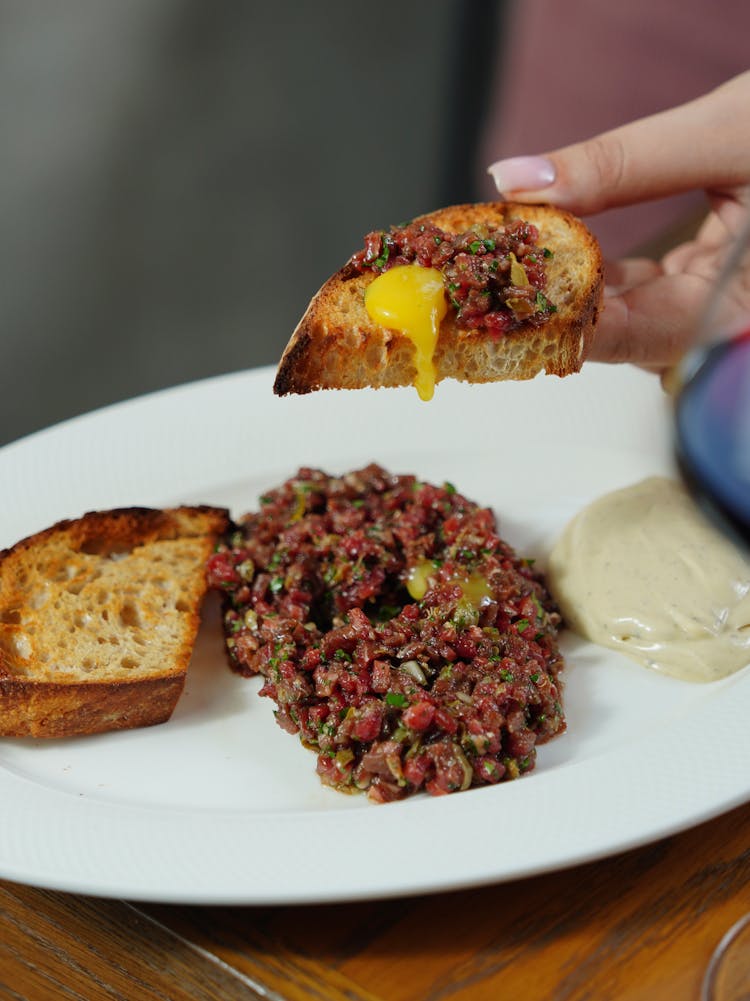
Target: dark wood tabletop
[639, 925]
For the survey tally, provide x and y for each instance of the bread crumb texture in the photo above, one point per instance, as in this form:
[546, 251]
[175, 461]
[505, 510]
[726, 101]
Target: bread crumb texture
[98, 618]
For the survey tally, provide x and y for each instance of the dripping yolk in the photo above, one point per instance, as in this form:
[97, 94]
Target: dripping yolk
[411, 299]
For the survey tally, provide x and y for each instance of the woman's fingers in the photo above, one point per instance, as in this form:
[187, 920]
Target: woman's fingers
[650, 324]
[702, 144]
[652, 310]
[627, 273]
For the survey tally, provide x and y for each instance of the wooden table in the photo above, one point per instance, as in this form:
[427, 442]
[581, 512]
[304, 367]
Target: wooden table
[640, 926]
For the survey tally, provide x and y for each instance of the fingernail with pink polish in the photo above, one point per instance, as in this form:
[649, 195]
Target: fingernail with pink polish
[522, 173]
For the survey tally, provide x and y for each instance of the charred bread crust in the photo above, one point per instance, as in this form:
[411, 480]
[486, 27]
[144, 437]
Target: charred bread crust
[44, 709]
[128, 526]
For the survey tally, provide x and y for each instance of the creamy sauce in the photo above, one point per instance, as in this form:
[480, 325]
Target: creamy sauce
[411, 299]
[641, 570]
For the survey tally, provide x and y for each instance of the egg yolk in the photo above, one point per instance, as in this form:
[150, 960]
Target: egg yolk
[411, 299]
[474, 586]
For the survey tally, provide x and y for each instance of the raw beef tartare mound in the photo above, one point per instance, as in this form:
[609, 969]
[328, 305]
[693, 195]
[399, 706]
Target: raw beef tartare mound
[397, 633]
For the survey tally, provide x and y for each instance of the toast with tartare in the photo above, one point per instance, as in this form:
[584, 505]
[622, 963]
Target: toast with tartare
[541, 301]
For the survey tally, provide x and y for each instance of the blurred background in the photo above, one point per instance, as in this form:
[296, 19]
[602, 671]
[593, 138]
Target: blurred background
[178, 176]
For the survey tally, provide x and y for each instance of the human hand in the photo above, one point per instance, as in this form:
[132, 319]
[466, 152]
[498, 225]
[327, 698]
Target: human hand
[652, 308]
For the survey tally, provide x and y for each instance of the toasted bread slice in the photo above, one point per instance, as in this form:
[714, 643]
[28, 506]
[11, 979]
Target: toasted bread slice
[337, 346]
[98, 618]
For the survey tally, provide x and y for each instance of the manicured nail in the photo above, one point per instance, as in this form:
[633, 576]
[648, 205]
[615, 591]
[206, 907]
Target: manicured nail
[522, 173]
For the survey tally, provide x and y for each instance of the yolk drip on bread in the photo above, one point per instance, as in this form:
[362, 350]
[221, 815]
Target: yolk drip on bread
[411, 299]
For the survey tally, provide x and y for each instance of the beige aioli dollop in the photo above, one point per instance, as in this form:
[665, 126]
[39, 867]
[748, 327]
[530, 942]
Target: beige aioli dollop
[642, 570]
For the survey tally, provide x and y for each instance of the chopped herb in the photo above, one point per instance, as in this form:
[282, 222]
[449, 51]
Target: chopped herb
[396, 699]
[386, 612]
[543, 303]
[535, 677]
[506, 675]
[448, 487]
[547, 252]
[277, 584]
[522, 625]
[381, 261]
[343, 655]
[475, 246]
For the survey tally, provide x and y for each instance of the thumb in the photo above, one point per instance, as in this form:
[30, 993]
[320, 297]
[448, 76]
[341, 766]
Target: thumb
[702, 144]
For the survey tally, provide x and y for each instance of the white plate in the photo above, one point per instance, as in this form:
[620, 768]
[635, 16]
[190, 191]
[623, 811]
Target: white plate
[220, 805]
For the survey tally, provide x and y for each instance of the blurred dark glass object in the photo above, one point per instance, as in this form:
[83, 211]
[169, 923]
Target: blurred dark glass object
[713, 433]
[712, 406]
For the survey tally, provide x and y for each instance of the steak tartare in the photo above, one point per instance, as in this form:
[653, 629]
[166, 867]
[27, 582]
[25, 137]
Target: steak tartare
[397, 633]
[494, 278]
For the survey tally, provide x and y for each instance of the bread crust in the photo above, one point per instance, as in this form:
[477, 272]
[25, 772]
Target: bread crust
[337, 346]
[46, 709]
[98, 618]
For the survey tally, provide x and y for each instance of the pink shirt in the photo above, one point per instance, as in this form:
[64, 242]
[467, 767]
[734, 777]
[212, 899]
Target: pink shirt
[574, 68]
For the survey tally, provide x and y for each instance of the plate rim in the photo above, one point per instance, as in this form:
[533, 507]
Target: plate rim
[22, 852]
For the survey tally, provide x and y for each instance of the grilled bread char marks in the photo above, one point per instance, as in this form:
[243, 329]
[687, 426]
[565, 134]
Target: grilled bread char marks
[98, 618]
[337, 346]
